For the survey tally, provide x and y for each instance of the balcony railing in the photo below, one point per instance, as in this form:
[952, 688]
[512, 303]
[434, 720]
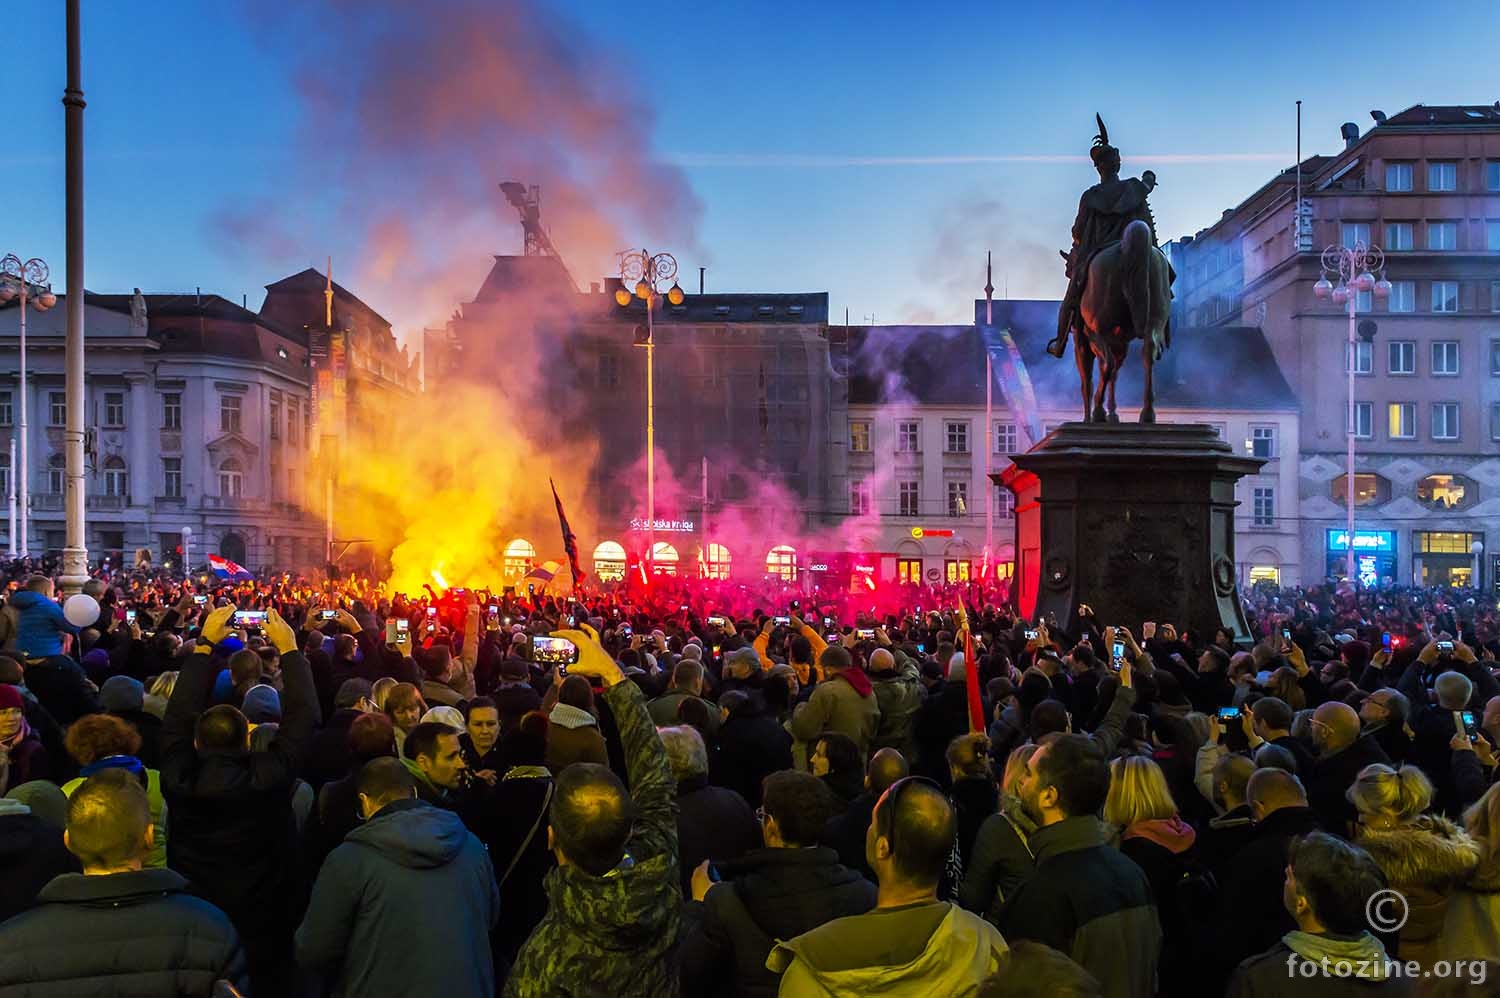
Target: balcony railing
[231, 502]
[46, 501]
[108, 503]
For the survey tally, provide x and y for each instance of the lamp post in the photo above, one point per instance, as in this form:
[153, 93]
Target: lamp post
[1355, 267]
[75, 561]
[28, 281]
[642, 275]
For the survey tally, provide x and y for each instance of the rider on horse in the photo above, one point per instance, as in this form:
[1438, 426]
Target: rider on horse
[1103, 212]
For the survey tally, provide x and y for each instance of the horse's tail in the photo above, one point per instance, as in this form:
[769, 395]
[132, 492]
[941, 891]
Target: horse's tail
[1135, 256]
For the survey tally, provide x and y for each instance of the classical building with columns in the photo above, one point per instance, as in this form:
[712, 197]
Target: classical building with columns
[197, 415]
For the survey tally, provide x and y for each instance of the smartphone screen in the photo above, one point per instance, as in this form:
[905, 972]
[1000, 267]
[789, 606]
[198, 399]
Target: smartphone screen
[1385, 641]
[781, 621]
[555, 651]
[432, 611]
[1117, 655]
[1031, 634]
[722, 623]
[1470, 725]
[1229, 713]
[403, 626]
[327, 614]
[129, 616]
[1445, 647]
[865, 633]
[200, 599]
[252, 619]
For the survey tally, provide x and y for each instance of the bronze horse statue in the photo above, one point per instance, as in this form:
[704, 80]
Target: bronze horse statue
[1128, 296]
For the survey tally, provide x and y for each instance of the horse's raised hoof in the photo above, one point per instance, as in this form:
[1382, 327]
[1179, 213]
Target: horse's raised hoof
[1114, 417]
[1148, 415]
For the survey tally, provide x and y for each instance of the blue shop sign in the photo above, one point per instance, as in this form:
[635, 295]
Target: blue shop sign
[1366, 541]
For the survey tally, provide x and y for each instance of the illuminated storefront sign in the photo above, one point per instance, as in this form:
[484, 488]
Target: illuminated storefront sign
[664, 526]
[918, 533]
[1374, 541]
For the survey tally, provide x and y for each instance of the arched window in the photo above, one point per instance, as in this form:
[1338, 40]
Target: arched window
[716, 566]
[781, 562]
[55, 470]
[232, 546]
[231, 479]
[609, 561]
[664, 559]
[116, 477]
[520, 557]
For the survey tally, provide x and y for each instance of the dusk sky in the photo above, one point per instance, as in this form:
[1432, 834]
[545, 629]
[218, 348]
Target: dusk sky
[872, 150]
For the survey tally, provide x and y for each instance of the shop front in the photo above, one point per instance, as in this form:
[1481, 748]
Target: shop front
[1374, 555]
[1445, 557]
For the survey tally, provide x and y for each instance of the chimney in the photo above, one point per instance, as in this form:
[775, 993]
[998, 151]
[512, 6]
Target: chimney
[1350, 131]
[1379, 117]
[198, 296]
[701, 272]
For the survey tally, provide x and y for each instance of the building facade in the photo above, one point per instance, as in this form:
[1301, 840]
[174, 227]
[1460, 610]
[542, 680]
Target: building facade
[1424, 186]
[196, 417]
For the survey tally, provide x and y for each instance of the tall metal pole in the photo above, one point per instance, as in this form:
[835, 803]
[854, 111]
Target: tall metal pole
[1349, 457]
[75, 553]
[24, 468]
[12, 497]
[989, 422]
[650, 434]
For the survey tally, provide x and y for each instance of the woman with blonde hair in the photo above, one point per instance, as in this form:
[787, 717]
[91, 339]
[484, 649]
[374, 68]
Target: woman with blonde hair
[1001, 858]
[380, 689]
[1424, 856]
[155, 701]
[404, 706]
[1155, 837]
[1471, 927]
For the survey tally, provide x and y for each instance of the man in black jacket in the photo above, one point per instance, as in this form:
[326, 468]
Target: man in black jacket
[846, 832]
[1342, 752]
[1272, 723]
[712, 822]
[231, 830]
[778, 892]
[116, 928]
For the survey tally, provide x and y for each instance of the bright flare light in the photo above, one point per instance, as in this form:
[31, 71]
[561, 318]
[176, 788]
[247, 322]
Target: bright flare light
[437, 577]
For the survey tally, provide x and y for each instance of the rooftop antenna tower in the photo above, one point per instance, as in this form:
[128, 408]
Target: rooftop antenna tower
[528, 204]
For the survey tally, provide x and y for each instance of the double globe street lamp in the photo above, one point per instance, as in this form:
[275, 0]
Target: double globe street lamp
[27, 280]
[1355, 267]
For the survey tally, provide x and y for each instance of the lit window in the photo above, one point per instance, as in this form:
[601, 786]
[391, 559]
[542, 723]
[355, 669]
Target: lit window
[859, 436]
[664, 559]
[958, 498]
[1368, 489]
[909, 570]
[781, 563]
[609, 561]
[520, 556]
[717, 565]
[1442, 491]
[1402, 419]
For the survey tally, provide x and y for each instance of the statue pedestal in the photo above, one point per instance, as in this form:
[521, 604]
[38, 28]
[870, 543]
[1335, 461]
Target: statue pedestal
[1135, 520]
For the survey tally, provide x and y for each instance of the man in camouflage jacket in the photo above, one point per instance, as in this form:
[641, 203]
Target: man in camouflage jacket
[613, 934]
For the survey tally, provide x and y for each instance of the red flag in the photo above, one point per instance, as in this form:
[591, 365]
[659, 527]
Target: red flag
[971, 681]
[570, 541]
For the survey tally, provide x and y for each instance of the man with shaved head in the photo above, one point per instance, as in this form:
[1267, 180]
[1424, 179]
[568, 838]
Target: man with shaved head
[1342, 751]
[1250, 916]
[898, 692]
[912, 943]
[846, 832]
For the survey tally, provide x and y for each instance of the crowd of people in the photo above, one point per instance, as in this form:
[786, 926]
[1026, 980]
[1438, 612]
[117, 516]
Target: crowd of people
[282, 787]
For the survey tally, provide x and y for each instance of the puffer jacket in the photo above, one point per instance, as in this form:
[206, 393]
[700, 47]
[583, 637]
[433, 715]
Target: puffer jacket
[125, 934]
[41, 625]
[1425, 860]
[615, 934]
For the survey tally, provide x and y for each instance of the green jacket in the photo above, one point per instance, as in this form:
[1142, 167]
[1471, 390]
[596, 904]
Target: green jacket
[899, 695]
[615, 935]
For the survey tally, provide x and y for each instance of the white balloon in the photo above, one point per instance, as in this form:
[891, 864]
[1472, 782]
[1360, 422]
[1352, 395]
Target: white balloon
[81, 610]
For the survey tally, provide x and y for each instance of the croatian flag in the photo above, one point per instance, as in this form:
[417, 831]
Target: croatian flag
[226, 569]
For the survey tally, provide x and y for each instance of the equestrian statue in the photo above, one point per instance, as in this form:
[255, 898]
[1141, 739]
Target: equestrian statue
[1119, 284]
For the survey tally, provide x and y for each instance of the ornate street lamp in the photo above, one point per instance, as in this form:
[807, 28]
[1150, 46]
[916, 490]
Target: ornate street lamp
[27, 280]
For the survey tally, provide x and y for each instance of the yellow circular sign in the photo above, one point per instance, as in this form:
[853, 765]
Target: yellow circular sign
[916, 533]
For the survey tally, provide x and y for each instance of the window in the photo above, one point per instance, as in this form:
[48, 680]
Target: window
[1443, 492]
[1354, 233]
[1492, 176]
[1005, 503]
[957, 570]
[1369, 489]
[1492, 236]
[859, 499]
[1364, 356]
[907, 499]
[1006, 439]
[229, 413]
[958, 498]
[55, 472]
[609, 370]
[114, 409]
[1402, 419]
[1398, 176]
[1263, 441]
[116, 478]
[171, 475]
[6, 414]
[1445, 420]
[909, 571]
[1264, 506]
[1403, 296]
[1402, 356]
[1442, 235]
[859, 436]
[293, 419]
[231, 479]
[1364, 420]
[1442, 176]
[909, 437]
[1397, 236]
[1495, 296]
[275, 419]
[273, 483]
[1495, 420]
[1494, 358]
[57, 409]
[1445, 358]
[4, 474]
[1445, 296]
[171, 411]
[958, 437]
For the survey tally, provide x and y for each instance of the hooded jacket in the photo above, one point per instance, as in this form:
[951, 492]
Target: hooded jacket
[766, 895]
[125, 934]
[1424, 860]
[1001, 860]
[1092, 904]
[573, 736]
[41, 625]
[615, 934]
[932, 948]
[1164, 850]
[1279, 972]
[31, 854]
[410, 858]
[844, 703]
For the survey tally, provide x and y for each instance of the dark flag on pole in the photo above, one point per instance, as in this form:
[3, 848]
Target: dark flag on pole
[570, 540]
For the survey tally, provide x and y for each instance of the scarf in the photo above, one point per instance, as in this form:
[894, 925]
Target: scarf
[856, 678]
[126, 762]
[1363, 953]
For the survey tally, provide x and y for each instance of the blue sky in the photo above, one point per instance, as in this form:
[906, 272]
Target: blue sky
[873, 150]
